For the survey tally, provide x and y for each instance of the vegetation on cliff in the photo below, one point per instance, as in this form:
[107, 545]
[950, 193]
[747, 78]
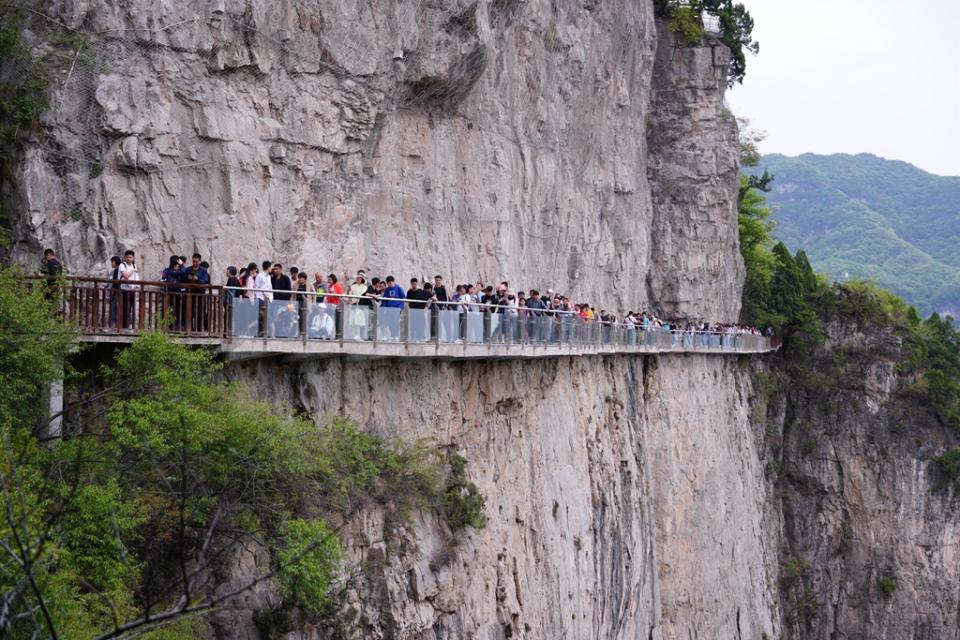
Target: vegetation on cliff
[23, 81]
[119, 523]
[685, 17]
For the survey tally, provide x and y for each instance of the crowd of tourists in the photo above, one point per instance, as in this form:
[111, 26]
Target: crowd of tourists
[270, 281]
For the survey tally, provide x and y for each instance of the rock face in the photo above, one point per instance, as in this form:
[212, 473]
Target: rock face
[615, 507]
[500, 140]
[869, 541]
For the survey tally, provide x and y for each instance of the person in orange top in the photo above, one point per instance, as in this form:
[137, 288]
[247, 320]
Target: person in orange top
[333, 287]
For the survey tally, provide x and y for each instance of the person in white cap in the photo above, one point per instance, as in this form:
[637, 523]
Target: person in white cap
[358, 287]
[357, 319]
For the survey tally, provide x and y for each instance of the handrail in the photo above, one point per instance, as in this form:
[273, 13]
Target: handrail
[214, 312]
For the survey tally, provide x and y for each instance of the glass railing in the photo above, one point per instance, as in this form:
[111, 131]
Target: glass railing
[359, 319]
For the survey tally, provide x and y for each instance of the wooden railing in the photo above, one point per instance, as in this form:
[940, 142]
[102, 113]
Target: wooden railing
[100, 305]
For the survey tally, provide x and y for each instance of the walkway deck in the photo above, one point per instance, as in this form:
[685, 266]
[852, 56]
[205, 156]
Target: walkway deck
[307, 329]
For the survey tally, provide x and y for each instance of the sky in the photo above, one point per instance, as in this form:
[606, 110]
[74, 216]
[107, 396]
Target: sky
[852, 76]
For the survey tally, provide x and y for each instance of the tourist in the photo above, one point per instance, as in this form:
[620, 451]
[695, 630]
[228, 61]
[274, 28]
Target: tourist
[114, 290]
[372, 292]
[196, 273]
[173, 270]
[535, 304]
[49, 265]
[319, 286]
[251, 291]
[333, 287]
[264, 283]
[233, 282]
[419, 296]
[128, 275]
[439, 291]
[393, 294]
[280, 283]
[302, 290]
[358, 288]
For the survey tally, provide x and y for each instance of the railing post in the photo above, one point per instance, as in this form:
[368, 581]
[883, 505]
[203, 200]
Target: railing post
[95, 312]
[188, 313]
[141, 305]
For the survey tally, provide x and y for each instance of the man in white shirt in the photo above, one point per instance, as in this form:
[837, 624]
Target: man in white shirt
[265, 293]
[264, 283]
[128, 275]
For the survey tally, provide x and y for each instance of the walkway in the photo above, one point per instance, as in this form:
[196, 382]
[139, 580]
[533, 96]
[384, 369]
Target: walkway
[306, 329]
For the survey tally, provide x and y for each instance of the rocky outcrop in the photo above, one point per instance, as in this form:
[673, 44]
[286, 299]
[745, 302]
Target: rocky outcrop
[694, 160]
[614, 511]
[869, 540]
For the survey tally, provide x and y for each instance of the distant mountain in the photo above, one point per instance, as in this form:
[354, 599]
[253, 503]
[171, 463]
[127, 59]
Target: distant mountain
[866, 217]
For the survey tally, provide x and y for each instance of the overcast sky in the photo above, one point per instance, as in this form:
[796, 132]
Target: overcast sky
[855, 76]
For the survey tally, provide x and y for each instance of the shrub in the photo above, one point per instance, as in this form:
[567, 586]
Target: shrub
[887, 584]
[463, 504]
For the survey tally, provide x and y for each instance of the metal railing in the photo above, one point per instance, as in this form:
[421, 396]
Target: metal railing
[106, 307]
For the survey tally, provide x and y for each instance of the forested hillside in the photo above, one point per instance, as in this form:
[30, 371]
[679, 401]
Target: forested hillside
[866, 217]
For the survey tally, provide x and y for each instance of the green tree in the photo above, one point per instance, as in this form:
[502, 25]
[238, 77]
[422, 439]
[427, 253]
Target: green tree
[756, 244]
[736, 28]
[116, 526]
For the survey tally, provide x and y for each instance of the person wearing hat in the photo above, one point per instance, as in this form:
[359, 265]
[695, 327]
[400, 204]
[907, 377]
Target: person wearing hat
[358, 288]
[357, 320]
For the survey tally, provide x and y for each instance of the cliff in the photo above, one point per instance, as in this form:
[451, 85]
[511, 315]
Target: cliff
[869, 524]
[569, 144]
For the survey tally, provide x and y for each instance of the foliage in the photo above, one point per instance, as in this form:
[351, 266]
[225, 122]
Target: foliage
[23, 86]
[117, 525]
[312, 556]
[937, 346]
[948, 463]
[736, 28]
[800, 600]
[887, 584]
[462, 501]
[860, 216]
[685, 21]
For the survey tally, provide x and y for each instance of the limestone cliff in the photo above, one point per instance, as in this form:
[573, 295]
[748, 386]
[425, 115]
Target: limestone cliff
[869, 527]
[622, 502]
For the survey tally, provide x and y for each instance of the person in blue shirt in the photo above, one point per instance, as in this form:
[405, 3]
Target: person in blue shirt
[196, 273]
[393, 295]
